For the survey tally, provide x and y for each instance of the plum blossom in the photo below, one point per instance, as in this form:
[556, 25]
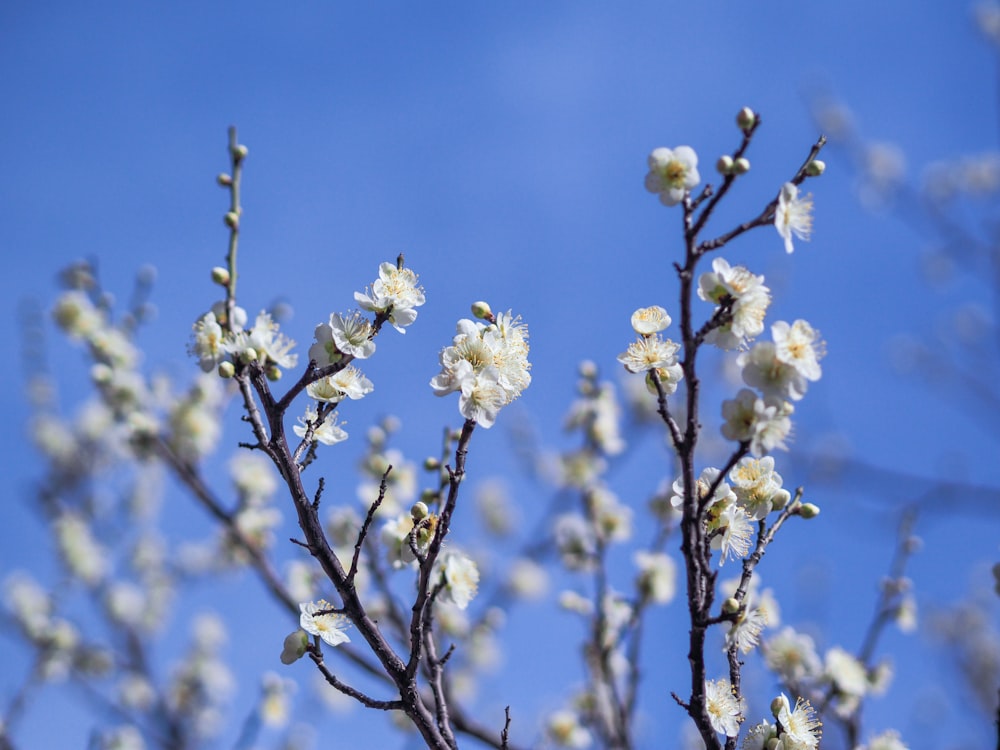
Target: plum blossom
[763, 422]
[672, 173]
[394, 293]
[329, 626]
[487, 364]
[344, 334]
[749, 300]
[725, 712]
[460, 576]
[793, 216]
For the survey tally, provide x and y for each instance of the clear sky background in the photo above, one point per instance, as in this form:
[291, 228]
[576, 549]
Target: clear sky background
[502, 147]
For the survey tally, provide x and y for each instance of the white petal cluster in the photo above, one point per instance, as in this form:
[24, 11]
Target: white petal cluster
[888, 740]
[657, 579]
[487, 364]
[758, 486]
[460, 576]
[346, 383]
[793, 215]
[649, 320]
[328, 432]
[330, 626]
[800, 726]
[792, 656]
[395, 292]
[343, 335]
[672, 173]
[263, 343]
[725, 712]
[763, 422]
[748, 297]
[564, 729]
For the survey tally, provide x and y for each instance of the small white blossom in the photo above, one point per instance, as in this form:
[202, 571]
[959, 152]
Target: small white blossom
[651, 353]
[847, 674]
[565, 730]
[330, 626]
[800, 727]
[757, 486]
[800, 346]
[793, 216]
[395, 292]
[346, 383]
[749, 300]
[657, 577]
[328, 433]
[672, 173]
[649, 320]
[888, 740]
[724, 712]
[764, 423]
[460, 576]
[792, 656]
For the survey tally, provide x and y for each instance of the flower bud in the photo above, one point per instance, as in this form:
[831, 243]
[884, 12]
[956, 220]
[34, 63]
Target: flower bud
[224, 180]
[781, 702]
[273, 373]
[741, 166]
[724, 165]
[419, 511]
[428, 495]
[588, 369]
[232, 220]
[220, 276]
[432, 464]
[780, 499]
[746, 119]
[240, 152]
[101, 373]
[731, 606]
[248, 355]
[482, 310]
[226, 369]
[294, 647]
[815, 168]
[808, 510]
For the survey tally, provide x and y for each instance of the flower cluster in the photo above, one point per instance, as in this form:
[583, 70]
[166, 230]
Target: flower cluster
[650, 353]
[746, 297]
[487, 363]
[780, 370]
[394, 294]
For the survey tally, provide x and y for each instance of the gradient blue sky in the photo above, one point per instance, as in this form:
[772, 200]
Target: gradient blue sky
[502, 147]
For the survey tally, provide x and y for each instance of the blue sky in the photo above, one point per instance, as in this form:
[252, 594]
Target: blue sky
[502, 148]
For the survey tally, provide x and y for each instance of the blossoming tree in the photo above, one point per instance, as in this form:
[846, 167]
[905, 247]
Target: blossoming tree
[383, 595]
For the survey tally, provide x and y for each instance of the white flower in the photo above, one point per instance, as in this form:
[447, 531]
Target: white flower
[764, 423]
[800, 346]
[657, 578]
[672, 173]
[344, 334]
[207, 345]
[888, 740]
[330, 626]
[395, 292]
[487, 364]
[265, 341]
[800, 727]
[724, 712]
[482, 397]
[349, 382]
[749, 299]
[745, 632]
[460, 576]
[649, 320]
[736, 532]
[651, 353]
[792, 656]
[564, 729]
[793, 215]
[327, 433]
[762, 369]
[757, 486]
[77, 315]
[847, 674]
